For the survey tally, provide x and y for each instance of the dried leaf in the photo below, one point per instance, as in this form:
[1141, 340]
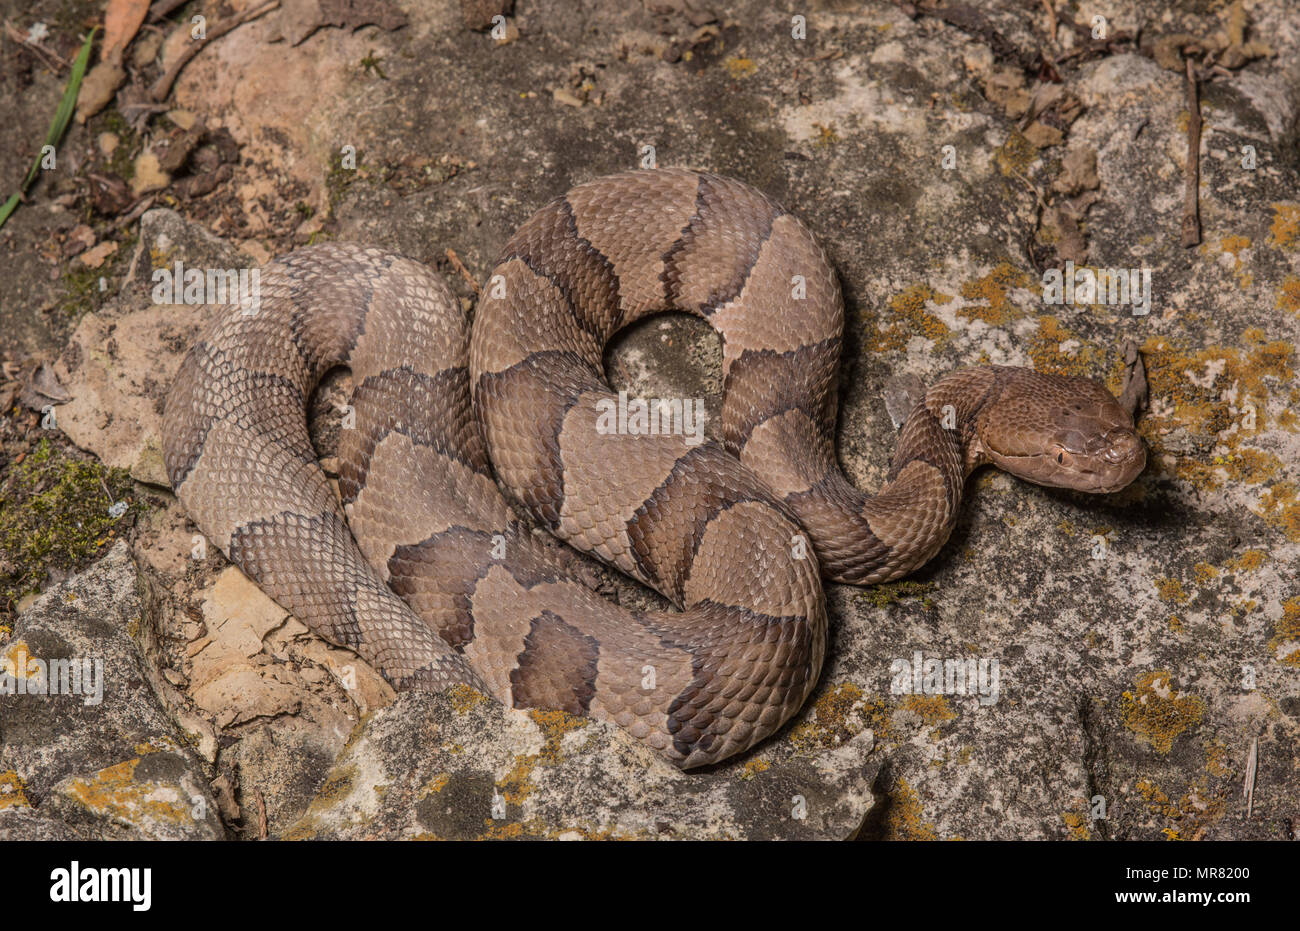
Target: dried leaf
[43, 388]
[121, 22]
[93, 258]
[1078, 172]
[79, 240]
[1040, 135]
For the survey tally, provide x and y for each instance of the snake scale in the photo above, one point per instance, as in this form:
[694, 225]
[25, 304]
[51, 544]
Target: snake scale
[426, 571]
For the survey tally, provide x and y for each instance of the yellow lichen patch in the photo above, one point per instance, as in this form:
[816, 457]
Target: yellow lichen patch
[11, 790]
[1219, 395]
[434, 785]
[16, 661]
[1285, 645]
[753, 768]
[740, 67]
[904, 821]
[1015, 155]
[1156, 712]
[1059, 351]
[1280, 507]
[1284, 233]
[464, 699]
[1249, 465]
[1170, 590]
[993, 289]
[517, 784]
[514, 830]
[1175, 623]
[911, 319]
[1205, 573]
[933, 710]
[1076, 824]
[1190, 816]
[1216, 759]
[554, 725]
[1234, 246]
[113, 791]
[1195, 381]
[338, 784]
[1288, 295]
[826, 135]
[1249, 561]
[836, 717]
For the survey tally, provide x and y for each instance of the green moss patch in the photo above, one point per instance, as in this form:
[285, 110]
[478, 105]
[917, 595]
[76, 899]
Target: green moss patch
[55, 514]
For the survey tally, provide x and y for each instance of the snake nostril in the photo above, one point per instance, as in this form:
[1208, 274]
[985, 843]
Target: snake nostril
[1121, 448]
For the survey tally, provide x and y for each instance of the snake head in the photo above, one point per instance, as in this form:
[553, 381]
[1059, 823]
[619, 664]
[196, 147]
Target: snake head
[1062, 431]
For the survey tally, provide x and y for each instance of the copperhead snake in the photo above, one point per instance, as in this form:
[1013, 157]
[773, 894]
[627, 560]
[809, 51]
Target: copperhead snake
[427, 573]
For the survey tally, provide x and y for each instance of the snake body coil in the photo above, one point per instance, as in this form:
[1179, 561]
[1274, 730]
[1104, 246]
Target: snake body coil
[426, 572]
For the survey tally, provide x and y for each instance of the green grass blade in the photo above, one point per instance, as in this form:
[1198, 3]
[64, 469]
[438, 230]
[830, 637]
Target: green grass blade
[10, 206]
[62, 117]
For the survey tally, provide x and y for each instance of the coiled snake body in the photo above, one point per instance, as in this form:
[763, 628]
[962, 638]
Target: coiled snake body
[426, 572]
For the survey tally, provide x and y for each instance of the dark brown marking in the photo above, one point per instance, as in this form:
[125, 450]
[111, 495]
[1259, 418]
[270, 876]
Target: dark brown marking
[667, 528]
[550, 245]
[432, 410]
[783, 662]
[556, 668]
[764, 383]
[721, 206]
[266, 404]
[452, 563]
[538, 391]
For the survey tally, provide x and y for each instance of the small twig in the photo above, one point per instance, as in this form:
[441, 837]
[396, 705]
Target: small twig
[139, 207]
[261, 815]
[460, 267]
[1191, 209]
[52, 59]
[162, 87]
[1051, 21]
[1252, 765]
[162, 8]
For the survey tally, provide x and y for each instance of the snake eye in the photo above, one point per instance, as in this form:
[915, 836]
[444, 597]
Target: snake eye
[1060, 457]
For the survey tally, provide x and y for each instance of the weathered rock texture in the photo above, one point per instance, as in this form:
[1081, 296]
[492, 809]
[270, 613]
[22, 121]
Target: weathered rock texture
[93, 756]
[1144, 642]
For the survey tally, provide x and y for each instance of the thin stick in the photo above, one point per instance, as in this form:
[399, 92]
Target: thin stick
[162, 7]
[460, 267]
[52, 59]
[1191, 208]
[261, 815]
[1252, 765]
[1051, 21]
[162, 87]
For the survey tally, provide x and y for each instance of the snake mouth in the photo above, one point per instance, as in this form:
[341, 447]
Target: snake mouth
[1116, 472]
[1098, 474]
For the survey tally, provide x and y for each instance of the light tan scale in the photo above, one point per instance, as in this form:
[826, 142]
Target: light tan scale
[427, 572]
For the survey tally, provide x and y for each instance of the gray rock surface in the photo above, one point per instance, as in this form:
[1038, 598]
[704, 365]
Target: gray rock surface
[1145, 642]
[93, 753]
[463, 767]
